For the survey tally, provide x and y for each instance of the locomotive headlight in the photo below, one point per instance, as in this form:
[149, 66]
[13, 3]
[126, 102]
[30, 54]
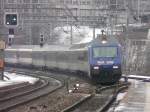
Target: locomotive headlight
[96, 68]
[104, 41]
[77, 85]
[115, 67]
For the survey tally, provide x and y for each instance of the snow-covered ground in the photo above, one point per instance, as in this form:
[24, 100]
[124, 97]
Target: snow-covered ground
[13, 78]
[138, 77]
[7, 83]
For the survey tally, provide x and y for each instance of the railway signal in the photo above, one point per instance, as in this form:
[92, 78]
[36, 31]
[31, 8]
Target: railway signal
[41, 40]
[11, 20]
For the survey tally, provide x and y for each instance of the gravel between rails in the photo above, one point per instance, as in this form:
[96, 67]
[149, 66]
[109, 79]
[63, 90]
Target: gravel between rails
[93, 104]
[99, 102]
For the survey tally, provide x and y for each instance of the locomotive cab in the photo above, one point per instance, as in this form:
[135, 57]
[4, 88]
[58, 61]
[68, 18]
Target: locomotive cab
[105, 60]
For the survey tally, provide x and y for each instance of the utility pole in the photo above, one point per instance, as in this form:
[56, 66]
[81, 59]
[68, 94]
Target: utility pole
[139, 9]
[71, 35]
[93, 32]
[127, 42]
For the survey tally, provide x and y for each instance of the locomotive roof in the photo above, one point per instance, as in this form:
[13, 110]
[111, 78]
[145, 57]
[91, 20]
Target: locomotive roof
[111, 40]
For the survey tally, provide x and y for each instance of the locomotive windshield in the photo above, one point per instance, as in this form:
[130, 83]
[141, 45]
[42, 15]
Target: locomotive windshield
[104, 52]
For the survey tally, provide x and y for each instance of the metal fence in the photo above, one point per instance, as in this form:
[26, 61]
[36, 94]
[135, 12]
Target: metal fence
[136, 57]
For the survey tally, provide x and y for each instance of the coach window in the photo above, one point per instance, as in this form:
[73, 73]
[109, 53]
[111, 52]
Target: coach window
[44, 1]
[88, 3]
[11, 1]
[75, 2]
[80, 56]
[35, 1]
[62, 2]
[26, 1]
[85, 56]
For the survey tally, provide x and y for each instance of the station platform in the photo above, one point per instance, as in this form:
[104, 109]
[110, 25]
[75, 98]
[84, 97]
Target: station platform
[137, 99]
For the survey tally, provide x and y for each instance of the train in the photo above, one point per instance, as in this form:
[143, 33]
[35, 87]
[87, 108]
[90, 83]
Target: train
[100, 59]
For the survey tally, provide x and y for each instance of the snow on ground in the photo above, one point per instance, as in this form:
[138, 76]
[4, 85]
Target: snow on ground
[7, 83]
[13, 78]
[120, 108]
[139, 77]
[120, 96]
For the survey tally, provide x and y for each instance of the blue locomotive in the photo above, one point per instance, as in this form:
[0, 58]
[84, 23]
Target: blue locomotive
[105, 60]
[99, 59]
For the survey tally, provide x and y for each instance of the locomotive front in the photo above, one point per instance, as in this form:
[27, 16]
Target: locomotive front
[105, 60]
[105, 64]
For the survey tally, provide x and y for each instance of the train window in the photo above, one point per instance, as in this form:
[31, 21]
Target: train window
[83, 56]
[11, 1]
[34, 1]
[104, 52]
[25, 54]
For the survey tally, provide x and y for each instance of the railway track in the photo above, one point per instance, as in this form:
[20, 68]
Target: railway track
[98, 102]
[60, 93]
[13, 97]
